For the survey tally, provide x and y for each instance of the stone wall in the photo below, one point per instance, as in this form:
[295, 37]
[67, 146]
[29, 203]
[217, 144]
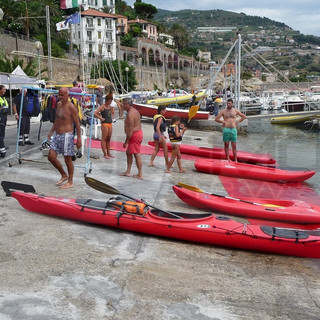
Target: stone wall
[15, 42]
[66, 70]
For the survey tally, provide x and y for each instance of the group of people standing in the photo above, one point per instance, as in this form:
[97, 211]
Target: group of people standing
[67, 123]
[67, 118]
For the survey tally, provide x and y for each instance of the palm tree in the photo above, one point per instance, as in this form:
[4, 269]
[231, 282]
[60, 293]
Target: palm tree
[8, 65]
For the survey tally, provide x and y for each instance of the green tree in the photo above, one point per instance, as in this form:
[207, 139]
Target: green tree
[180, 35]
[128, 40]
[144, 10]
[8, 65]
[135, 30]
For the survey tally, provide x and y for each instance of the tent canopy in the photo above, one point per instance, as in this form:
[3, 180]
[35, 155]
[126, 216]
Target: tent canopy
[17, 79]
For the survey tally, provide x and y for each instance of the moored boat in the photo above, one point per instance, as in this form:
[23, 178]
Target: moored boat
[203, 228]
[292, 211]
[150, 111]
[251, 171]
[178, 99]
[219, 153]
[292, 119]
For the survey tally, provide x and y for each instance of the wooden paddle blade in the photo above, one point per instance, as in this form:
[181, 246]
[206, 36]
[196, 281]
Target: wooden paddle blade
[192, 188]
[100, 186]
[192, 112]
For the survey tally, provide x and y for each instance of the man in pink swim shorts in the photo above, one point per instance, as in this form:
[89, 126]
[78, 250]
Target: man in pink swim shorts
[134, 135]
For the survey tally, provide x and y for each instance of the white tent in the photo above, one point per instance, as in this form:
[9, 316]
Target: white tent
[17, 78]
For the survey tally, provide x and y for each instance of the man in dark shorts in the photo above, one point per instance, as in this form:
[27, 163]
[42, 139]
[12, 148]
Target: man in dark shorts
[229, 123]
[63, 140]
[134, 135]
[25, 119]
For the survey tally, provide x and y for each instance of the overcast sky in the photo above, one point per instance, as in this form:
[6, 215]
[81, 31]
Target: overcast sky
[301, 15]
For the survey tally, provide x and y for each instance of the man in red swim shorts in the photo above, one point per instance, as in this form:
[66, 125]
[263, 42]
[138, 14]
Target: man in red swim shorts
[134, 135]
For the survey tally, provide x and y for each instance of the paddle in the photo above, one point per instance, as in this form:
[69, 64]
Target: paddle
[9, 187]
[102, 187]
[192, 188]
[192, 112]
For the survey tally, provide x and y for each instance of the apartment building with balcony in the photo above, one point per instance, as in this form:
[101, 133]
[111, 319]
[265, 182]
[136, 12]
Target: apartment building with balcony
[121, 25]
[98, 4]
[96, 34]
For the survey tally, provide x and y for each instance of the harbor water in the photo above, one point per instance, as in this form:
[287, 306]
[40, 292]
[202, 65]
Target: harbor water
[295, 146]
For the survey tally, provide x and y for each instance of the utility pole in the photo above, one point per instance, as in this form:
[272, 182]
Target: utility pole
[49, 43]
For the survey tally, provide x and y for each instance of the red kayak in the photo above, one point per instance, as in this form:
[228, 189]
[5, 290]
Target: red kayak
[218, 153]
[293, 211]
[203, 228]
[250, 171]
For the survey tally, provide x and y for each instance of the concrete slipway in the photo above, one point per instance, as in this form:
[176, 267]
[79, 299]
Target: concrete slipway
[58, 269]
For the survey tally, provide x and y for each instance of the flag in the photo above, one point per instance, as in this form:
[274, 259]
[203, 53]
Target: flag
[62, 26]
[73, 19]
[66, 4]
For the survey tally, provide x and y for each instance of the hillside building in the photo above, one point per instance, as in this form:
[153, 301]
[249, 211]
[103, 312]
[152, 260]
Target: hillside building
[98, 4]
[96, 34]
[149, 29]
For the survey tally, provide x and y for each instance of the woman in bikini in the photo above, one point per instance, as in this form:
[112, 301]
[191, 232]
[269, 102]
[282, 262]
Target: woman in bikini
[106, 114]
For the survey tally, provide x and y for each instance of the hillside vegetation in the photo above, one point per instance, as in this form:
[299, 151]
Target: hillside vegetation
[287, 44]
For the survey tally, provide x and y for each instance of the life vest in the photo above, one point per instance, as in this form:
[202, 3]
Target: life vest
[172, 133]
[128, 206]
[4, 106]
[48, 108]
[163, 125]
[76, 103]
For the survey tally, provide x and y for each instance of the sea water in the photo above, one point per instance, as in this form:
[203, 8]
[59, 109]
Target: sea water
[295, 146]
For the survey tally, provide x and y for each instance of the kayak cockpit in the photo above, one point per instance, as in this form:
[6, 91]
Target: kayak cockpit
[178, 215]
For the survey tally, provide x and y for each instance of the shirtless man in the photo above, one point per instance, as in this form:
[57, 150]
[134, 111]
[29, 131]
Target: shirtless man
[63, 140]
[134, 135]
[229, 124]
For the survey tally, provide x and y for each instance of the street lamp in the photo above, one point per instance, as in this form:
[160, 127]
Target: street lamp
[38, 46]
[127, 70]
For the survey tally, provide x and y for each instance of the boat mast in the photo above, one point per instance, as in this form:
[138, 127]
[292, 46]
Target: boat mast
[237, 73]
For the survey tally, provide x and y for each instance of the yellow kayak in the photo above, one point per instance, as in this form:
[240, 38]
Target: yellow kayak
[292, 119]
[178, 100]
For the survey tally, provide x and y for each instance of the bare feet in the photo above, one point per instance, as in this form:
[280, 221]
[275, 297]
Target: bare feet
[137, 176]
[168, 171]
[106, 157]
[124, 174]
[62, 180]
[152, 165]
[182, 170]
[110, 156]
[66, 185]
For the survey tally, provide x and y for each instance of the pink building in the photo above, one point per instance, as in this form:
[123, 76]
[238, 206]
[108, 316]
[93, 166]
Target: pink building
[148, 29]
[122, 24]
